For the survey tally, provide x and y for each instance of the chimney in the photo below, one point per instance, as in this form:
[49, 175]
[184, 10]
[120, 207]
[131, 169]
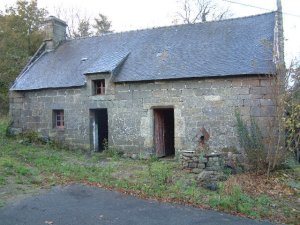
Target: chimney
[55, 32]
[279, 36]
[279, 47]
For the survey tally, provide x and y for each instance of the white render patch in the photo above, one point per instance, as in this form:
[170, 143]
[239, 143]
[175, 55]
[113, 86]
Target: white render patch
[212, 98]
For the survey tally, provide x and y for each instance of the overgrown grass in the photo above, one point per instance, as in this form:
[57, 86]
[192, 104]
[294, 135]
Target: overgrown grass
[36, 165]
[237, 201]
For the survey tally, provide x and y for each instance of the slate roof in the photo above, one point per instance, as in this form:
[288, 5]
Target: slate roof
[107, 63]
[241, 46]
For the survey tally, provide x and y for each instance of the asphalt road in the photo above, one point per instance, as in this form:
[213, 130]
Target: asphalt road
[80, 205]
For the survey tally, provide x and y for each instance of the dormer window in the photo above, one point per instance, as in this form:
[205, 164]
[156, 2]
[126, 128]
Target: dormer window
[99, 87]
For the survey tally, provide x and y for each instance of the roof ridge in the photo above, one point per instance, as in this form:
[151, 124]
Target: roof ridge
[170, 26]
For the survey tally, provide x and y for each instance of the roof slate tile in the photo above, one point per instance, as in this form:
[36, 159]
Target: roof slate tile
[241, 46]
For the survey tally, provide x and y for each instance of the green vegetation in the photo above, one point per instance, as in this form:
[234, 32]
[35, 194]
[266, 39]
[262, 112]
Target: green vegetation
[238, 201]
[20, 37]
[251, 141]
[26, 165]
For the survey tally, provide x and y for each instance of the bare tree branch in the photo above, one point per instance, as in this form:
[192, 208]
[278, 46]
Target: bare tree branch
[193, 11]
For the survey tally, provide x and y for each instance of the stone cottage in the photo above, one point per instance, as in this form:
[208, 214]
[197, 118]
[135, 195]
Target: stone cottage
[149, 90]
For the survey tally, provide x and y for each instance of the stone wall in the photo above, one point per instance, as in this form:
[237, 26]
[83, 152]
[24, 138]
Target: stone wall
[208, 103]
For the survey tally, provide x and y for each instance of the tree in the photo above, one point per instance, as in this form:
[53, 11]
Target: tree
[79, 25]
[193, 11]
[102, 25]
[84, 29]
[30, 20]
[20, 37]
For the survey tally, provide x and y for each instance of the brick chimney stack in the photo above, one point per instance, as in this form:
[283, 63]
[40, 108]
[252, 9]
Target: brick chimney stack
[55, 32]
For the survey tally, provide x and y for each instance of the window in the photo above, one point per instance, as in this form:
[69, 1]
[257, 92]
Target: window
[99, 87]
[58, 119]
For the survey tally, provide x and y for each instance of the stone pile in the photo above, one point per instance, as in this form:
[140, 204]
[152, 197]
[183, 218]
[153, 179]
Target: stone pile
[215, 162]
[195, 162]
[209, 167]
[192, 161]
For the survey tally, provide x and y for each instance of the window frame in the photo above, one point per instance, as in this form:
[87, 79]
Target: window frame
[99, 89]
[58, 118]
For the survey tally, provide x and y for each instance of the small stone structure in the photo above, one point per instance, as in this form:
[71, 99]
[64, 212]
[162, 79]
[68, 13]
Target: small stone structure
[209, 167]
[192, 161]
[195, 162]
[215, 161]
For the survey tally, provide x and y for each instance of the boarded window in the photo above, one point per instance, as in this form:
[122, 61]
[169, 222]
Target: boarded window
[58, 119]
[99, 87]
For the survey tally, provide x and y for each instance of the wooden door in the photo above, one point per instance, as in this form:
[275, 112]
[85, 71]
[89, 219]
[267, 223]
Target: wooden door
[159, 133]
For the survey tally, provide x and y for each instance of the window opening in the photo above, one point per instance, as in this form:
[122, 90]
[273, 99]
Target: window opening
[99, 87]
[59, 119]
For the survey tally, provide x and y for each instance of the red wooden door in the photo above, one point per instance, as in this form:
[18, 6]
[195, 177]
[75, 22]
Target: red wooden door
[159, 133]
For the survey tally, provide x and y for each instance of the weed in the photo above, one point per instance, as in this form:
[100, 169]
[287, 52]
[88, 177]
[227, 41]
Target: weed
[4, 126]
[2, 180]
[159, 172]
[238, 201]
[8, 165]
[35, 180]
[30, 137]
[19, 179]
[103, 175]
[22, 170]
[227, 171]
[48, 161]
[111, 151]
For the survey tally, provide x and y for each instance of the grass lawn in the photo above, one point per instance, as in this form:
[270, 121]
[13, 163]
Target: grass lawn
[25, 168]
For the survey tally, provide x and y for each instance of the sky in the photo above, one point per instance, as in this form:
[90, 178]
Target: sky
[140, 14]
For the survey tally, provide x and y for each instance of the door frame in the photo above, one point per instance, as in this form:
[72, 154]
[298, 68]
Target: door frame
[94, 128]
[156, 111]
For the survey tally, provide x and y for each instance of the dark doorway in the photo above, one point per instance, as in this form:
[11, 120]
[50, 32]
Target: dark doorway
[164, 132]
[99, 129]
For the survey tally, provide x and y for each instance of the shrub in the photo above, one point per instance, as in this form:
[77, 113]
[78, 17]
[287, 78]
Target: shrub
[292, 127]
[251, 141]
[159, 172]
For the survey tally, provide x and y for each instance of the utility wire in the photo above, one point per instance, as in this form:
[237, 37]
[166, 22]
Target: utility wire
[257, 7]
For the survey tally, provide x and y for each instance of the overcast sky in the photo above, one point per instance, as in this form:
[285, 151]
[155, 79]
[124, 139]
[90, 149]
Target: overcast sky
[138, 14]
